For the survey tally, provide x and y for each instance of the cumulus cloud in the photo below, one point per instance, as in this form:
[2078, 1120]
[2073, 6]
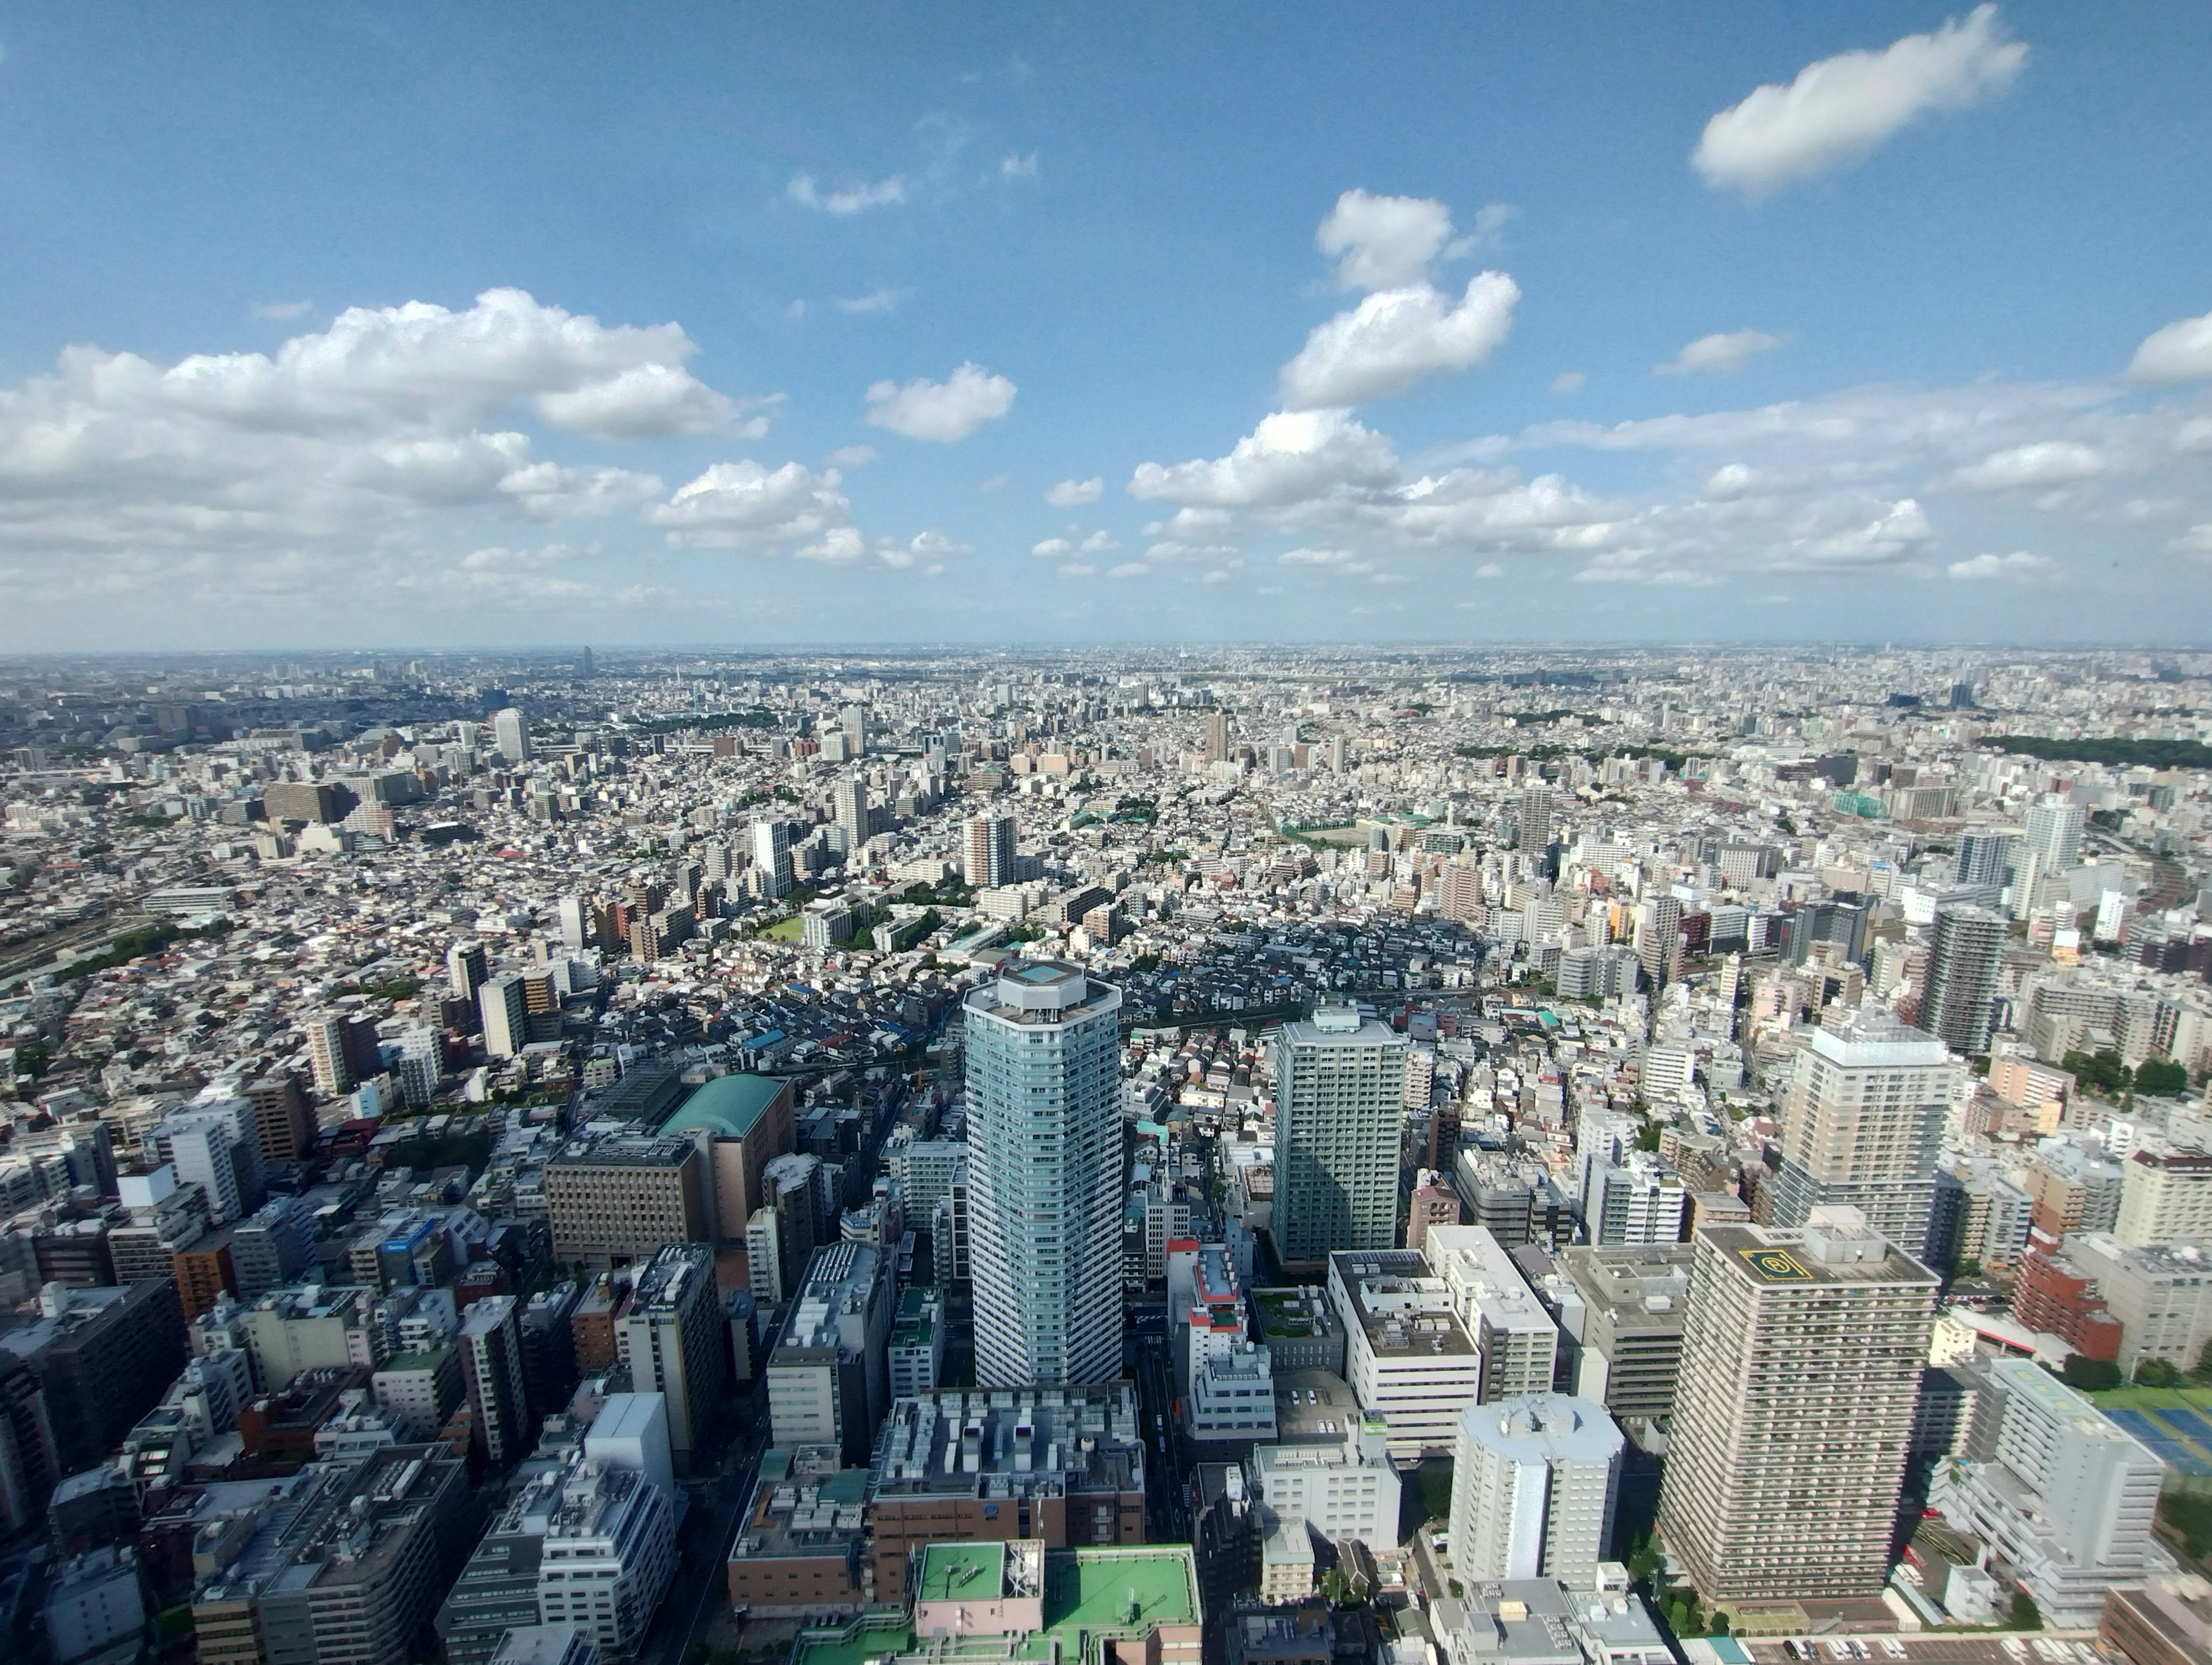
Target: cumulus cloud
[2182, 351]
[1395, 337]
[2197, 540]
[1073, 494]
[1896, 533]
[854, 199]
[1839, 110]
[1490, 569]
[943, 412]
[1384, 242]
[1289, 457]
[644, 401]
[1719, 355]
[2019, 567]
[876, 301]
[2045, 463]
[1731, 480]
[743, 505]
[851, 456]
[281, 312]
[1569, 381]
[1128, 570]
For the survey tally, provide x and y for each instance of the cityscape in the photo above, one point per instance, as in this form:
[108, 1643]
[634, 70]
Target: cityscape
[769, 897]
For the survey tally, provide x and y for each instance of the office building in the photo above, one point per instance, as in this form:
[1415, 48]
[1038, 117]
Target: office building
[1621, 1313]
[915, 1354]
[510, 735]
[280, 1115]
[745, 1122]
[421, 1390]
[1960, 1002]
[327, 1054]
[672, 1340]
[1340, 1116]
[1536, 1481]
[546, 1644]
[1433, 1203]
[102, 1359]
[828, 1377]
[1216, 737]
[1658, 938]
[1638, 1199]
[94, 1603]
[1044, 1167]
[989, 851]
[2066, 1498]
[1407, 1355]
[500, 1421]
[801, 1548]
[1329, 1464]
[614, 1200]
[1066, 1465]
[343, 1564]
[503, 1009]
[1516, 1344]
[1802, 1357]
[1226, 1380]
[1863, 1124]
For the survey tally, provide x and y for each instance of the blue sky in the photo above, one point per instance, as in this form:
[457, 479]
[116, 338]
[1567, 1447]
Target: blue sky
[1907, 271]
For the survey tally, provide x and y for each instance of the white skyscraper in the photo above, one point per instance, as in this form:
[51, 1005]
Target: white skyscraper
[511, 735]
[1044, 1166]
[1339, 1112]
[988, 852]
[2054, 835]
[772, 857]
[576, 930]
[1534, 1482]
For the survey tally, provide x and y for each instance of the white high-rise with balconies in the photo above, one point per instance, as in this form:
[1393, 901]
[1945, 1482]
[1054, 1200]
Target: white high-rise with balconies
[1044, 1176]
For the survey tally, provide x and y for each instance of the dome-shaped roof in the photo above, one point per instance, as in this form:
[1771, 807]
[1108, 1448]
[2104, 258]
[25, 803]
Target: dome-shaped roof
[728, 1106]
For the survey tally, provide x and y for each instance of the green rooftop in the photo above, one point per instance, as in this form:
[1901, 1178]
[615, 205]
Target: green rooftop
[954, 1572]
[1090, 1596]
[728, 1106]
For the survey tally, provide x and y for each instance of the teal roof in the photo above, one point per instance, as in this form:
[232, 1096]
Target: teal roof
[728, 1106]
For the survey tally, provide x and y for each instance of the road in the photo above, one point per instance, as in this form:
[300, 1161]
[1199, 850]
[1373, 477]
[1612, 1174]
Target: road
[1167, 1488]
[702, 1542]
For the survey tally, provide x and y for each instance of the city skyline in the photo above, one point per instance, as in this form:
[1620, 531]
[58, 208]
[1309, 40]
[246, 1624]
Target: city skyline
[1878, 326]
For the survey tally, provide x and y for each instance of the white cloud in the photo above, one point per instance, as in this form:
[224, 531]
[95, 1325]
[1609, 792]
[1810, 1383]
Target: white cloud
[1569, 381]
[282, 311]
[2197, 540]
[1490, 569]
[2182, 351]
[1730, 480]
[2019, 568]
[743, 505]
[944, 412]
[876, 301]
[1073, 494]
[2195, 434]
[1053, 548]
[1896, 533]
[1128, 570]
[851, 456]
[993, 482]
[1078, 569]
[854, 199]
[1395, 337]
[1719, 355]
[1839, 110]
[2045, 463]
[1019, 167]
[1308, 557]
[931, 548]
[646, 401]
[1384, 242]
[1290, 456]
[1490, 222]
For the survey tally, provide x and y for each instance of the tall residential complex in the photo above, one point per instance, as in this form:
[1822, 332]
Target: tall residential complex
[491, 1368]
[511, 735]
[1534, 1483]
[1863, 1124]
[672, 1337]
[850, 799]
[1044, 1167]
[772, 857]
[2054, 835]
[1985, 856]
[989, 851]
[504, 1004]
[1340, 1112]
[1802, 1354]
[1962, 977]
[1534, 828]
[1216, 737]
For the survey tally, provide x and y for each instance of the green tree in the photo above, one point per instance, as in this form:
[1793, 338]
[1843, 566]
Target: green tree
[2090, 1375]
[2157, 1373]
[2161, 1076]
[2025, 1616]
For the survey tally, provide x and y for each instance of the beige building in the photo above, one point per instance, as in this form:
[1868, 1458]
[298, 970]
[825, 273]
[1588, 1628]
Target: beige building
[615, 1201]
[2165, 1197]
[1802, 1354]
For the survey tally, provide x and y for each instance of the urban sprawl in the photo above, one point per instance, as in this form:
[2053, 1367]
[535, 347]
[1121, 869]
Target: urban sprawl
[1157, 1157]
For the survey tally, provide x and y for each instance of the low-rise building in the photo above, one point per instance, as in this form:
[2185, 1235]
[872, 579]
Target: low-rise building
[1407, 1355]
[800, 1551]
